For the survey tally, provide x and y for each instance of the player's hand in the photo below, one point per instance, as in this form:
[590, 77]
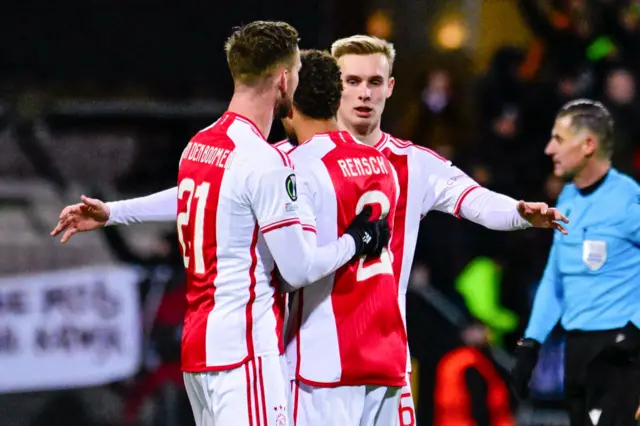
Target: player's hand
[526, 360]
[540, 215]
[88, 215]
[638, 413]
[370, 236]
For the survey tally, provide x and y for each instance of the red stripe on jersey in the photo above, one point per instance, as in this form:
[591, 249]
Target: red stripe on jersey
[432, 152]
[401, 165]
[280, 224]
[458, 206]
[309, 228]
[248, 379]
[252, 292]
[299, 295]
[399, 142]
[253, 126]
[264, 402]
[285, 157]
[279, 306]
[256, 395]
[405, 144]
[295, 388]
[382, 141]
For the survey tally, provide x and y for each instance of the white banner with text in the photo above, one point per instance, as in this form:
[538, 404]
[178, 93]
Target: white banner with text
[69, 328]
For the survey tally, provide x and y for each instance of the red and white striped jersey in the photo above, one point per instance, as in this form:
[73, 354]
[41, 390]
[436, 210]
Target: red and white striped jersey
[231, 185]
[427, 182]
[346, 329]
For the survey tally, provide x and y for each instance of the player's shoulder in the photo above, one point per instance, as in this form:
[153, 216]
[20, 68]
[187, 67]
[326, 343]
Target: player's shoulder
[284, 146]
[259, 156]
[316, 147]
[250, 145]
[416, 152]
[308, 156]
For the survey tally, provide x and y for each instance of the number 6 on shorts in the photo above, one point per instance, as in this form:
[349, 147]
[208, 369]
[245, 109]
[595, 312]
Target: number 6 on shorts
[406, 412]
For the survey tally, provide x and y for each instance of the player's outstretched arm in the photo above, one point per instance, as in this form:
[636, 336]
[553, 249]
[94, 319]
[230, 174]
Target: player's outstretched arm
[92, 213]
[450, 190]
[502, 213]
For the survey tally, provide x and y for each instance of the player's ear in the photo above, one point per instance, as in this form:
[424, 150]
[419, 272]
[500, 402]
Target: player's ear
[390, 85]
[283, 81]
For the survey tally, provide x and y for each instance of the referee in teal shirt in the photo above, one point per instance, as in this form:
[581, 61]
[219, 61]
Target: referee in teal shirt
[591, 283]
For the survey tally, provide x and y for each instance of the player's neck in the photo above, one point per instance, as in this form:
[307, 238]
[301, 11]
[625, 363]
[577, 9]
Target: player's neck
[592, 172]
[309, 128]
[369, 135]
[257, 106]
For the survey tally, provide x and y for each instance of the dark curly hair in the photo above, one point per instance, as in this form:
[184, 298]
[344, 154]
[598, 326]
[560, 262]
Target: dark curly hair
[320, 87]
[253, 50]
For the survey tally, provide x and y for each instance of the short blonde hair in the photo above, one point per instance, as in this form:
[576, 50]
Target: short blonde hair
[364, 45]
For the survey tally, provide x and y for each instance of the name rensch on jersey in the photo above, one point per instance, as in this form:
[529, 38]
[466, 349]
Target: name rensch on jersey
[206, 154]
[352, 167]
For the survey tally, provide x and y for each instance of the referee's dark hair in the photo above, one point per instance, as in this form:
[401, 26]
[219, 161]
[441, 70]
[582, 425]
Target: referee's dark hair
[593, 116]
[320, 87]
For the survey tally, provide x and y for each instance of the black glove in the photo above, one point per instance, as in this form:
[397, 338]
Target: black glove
[625, 346]
[370, 236]
[526, 359]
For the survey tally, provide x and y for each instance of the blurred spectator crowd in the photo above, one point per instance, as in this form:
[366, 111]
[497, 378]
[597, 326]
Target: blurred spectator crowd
[581, 49]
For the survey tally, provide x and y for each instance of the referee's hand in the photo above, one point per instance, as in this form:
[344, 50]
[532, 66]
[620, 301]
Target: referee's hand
[526, 360]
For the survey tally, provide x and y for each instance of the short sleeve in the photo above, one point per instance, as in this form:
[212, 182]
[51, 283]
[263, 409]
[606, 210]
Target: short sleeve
[632, 221]
[446, 185]
[274, 198]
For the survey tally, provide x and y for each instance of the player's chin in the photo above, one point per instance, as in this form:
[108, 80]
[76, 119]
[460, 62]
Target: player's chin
[359, 120]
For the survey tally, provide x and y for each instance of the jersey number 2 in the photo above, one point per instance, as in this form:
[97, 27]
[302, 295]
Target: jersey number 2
[200, 194]
[384, 266]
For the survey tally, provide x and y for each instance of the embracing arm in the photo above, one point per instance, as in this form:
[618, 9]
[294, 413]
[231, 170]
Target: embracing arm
[292, 243]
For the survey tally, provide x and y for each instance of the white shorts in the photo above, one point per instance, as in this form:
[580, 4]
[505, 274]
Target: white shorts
[343, 405]
[406, 410]
[253, 394]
